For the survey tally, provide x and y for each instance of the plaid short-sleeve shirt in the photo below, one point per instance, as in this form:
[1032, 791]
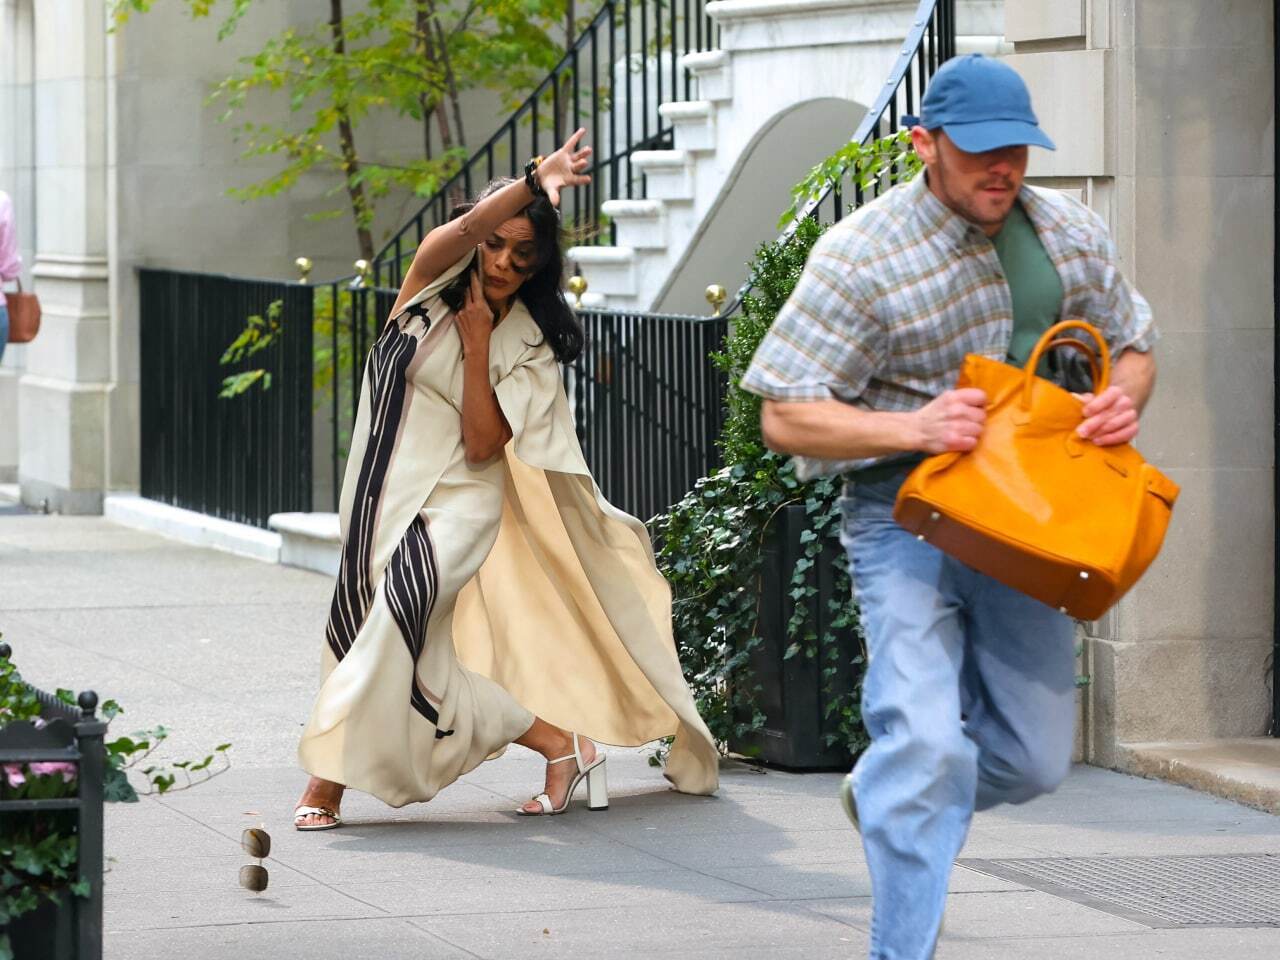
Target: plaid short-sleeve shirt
[895, 295]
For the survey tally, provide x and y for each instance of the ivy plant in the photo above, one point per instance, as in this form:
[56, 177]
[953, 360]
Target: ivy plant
[711, 544]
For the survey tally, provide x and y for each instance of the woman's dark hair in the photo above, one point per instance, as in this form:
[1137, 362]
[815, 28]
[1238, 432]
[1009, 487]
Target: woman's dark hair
[543, 289]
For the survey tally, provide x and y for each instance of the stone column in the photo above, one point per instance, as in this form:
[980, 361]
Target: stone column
[65, 388]
[1164, 114]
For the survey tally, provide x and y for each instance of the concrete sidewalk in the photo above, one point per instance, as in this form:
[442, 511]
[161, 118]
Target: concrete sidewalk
[226, 649]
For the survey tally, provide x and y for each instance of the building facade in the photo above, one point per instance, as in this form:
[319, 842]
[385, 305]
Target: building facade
[1164, 113]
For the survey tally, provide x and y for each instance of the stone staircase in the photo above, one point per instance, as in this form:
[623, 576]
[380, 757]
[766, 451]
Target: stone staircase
[787, 87]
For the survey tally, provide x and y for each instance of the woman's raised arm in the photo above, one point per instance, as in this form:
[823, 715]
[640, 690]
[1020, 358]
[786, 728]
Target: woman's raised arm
[447, 243]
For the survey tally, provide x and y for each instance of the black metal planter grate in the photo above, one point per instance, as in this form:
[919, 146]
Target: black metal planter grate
[1222, 890]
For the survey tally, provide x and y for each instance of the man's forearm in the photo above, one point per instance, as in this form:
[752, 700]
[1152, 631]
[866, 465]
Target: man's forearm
[831, 430]
[1135, 374]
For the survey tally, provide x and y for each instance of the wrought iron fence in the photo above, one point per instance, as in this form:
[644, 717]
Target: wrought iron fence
[241, 459]
[623, 66]
[70, 928]
[646, 398]
[649, 405]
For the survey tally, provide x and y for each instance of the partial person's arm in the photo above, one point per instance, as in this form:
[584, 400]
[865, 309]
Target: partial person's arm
[448, 243]
[485, 430]
[1112, 417]
[10, 259]
[832, 430]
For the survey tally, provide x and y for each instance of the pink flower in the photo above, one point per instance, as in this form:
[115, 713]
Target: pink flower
[17, 773]
[67, 769]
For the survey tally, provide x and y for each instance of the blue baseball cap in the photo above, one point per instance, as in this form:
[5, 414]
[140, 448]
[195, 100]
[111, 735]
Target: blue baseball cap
[981, 104]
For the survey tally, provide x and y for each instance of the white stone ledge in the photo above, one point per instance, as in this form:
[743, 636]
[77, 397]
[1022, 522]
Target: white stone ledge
[767, 25]
[602, 256]
[703, 61]
[686, 110]
[659, 159]
[312, 541]
[52, 266]
[187, 526]
[638, 209]
[36, 382]
[724, 11]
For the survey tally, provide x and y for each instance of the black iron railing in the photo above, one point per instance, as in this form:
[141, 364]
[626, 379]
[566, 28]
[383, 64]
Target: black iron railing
[241, 459]
[931, 42]
[647, 400]
[649, 405]
[71, 928]
[623, 65]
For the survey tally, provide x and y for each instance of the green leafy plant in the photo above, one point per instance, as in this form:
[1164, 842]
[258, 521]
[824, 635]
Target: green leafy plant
[711, 543]
[870, 166]
[407, 62]
[259, 333]
[39, 849]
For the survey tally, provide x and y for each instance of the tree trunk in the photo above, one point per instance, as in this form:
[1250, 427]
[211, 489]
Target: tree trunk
[450, 80]
[566, 84]
[429, 101]
[347, 141]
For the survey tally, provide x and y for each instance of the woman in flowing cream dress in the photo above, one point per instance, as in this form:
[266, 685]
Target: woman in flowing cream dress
[488, 594]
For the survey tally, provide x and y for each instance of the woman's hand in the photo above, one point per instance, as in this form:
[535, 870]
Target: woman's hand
[475, 320]
[565, 167]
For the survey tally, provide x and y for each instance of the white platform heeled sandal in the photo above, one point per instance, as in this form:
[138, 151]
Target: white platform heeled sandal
[302, 811]
[597, 785]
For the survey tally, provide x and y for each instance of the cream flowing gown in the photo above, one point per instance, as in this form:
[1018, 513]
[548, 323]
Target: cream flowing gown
[471, 598]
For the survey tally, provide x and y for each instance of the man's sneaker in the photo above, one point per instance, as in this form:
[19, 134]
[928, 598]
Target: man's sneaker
[848, 801]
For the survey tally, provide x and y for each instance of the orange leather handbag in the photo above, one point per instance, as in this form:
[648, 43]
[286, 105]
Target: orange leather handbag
[1035, 506]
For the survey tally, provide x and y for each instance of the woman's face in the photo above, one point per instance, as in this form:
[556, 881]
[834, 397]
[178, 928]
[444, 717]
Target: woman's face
[507, 258]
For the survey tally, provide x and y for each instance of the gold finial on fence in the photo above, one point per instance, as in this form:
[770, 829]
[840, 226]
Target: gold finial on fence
[364, 271]
[716, 296]
[577, 286]
[304, 269]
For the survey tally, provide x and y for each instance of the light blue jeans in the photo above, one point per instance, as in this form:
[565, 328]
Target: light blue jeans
[4, 326]
[968, 698]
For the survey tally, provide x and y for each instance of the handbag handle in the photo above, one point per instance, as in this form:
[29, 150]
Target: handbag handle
[1102, 376]
[1095, 371]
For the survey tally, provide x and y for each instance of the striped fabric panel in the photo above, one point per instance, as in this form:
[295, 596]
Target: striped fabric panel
[412, 576]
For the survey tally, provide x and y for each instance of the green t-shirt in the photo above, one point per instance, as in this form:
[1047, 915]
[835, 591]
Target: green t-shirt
[1034, 284]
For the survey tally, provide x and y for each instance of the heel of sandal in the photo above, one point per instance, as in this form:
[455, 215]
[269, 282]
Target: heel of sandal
[598, 788]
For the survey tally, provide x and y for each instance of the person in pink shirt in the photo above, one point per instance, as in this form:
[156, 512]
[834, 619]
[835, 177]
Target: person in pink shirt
[10, 261]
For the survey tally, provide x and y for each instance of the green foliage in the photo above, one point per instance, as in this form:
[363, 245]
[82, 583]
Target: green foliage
[258, 334]
[880, 163]
[410, 60]
[774, 274]
[710, 544]
[38, 850]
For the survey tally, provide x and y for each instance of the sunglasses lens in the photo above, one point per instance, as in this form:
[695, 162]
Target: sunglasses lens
[253, 876]
[256, 843]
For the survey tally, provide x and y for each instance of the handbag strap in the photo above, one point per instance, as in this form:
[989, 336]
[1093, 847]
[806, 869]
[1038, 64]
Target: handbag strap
[1103, 375]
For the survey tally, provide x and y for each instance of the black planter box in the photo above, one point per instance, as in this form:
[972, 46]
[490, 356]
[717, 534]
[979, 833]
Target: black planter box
[791, 696]
[69, 928]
